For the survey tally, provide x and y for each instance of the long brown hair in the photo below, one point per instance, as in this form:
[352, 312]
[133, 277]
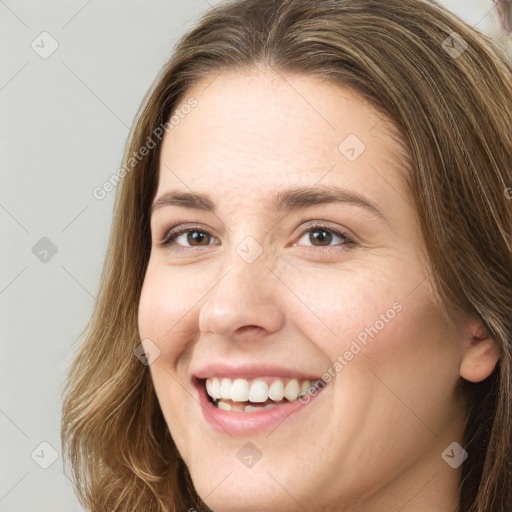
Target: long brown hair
[447, 89]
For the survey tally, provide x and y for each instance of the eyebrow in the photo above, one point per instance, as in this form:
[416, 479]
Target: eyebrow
[284, 201]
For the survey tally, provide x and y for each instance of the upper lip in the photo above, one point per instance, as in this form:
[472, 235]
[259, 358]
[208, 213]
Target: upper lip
[250, 371]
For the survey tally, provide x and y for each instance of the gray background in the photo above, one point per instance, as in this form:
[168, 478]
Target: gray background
[64, 123]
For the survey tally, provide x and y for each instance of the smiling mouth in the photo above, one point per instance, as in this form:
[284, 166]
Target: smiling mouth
[253, 395]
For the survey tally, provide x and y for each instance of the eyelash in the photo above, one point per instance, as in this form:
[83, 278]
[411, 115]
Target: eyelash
[347, 244]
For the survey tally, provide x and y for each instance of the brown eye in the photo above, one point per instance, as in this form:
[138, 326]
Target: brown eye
[321, 236]
[197, 236]
[192, 237]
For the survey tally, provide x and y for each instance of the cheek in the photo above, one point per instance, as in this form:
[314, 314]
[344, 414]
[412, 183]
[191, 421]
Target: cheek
[377, 318]
[393, 365]
[164, 316]
[342, 309]
[165, 311]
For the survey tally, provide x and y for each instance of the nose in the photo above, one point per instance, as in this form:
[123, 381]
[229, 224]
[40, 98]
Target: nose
[244, 303]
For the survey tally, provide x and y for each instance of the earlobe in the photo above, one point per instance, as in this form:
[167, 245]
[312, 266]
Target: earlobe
[480, 358]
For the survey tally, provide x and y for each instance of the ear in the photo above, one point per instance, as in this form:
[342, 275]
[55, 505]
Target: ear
[480, 354]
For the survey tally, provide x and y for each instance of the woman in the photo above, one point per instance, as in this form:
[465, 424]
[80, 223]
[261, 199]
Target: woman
[306, 301]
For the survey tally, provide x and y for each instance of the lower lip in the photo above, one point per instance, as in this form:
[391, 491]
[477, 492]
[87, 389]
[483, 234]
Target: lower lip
[247, 423]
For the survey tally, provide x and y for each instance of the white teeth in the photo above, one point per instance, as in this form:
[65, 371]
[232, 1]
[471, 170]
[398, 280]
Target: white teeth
[276, 391]
[225, 389]
[258, 391]
[250, 408]
[291, 391]
[224, 406]
[215, 391]
[304, 388]
[240, 390]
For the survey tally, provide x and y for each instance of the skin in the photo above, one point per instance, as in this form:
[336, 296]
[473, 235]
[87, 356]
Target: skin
[504, 8]
[373, 438]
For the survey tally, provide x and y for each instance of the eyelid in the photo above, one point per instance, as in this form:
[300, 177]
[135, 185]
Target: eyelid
[305, 224]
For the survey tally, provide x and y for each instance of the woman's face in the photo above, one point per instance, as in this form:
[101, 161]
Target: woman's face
[271, 288]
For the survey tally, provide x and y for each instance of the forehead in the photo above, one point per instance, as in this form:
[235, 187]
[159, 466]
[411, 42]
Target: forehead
[256, 131]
